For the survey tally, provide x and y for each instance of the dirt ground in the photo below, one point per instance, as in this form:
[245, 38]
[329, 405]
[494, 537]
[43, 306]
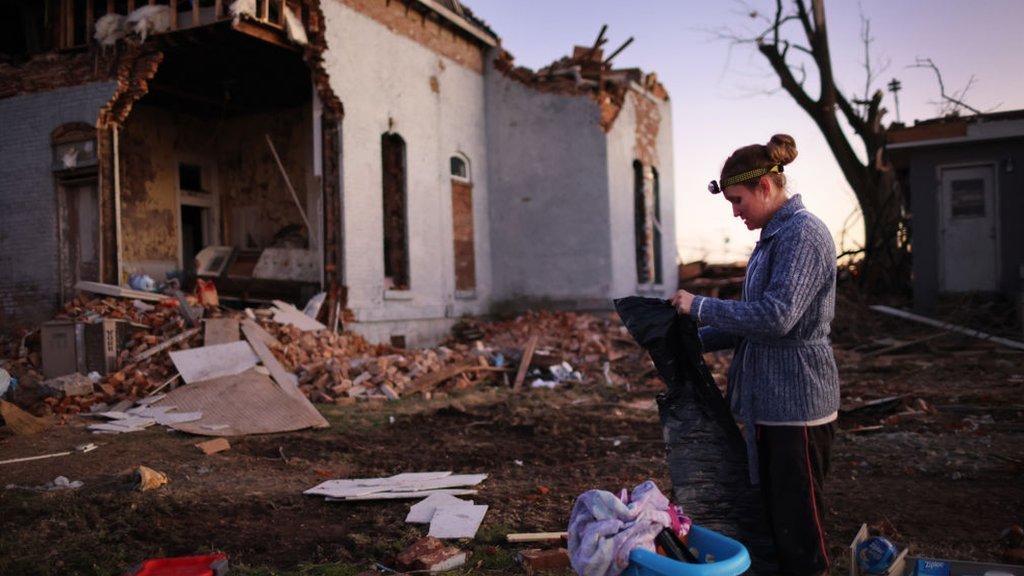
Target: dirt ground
[937, 465]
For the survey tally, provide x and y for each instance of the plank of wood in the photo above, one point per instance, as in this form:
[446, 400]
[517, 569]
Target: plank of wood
[119, 291]
[220, 331]
[525, 364]
[536, 536]
[434, 378]
[252, 331]
[163, 345]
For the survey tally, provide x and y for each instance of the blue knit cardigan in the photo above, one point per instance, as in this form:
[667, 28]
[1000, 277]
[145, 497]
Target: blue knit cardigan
[783, 370]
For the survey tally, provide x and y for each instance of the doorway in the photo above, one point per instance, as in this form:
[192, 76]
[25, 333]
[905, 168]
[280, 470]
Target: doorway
[194, 235]
[79, 217]
[968, 233]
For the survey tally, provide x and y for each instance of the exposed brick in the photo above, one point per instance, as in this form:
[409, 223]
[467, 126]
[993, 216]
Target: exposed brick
[29, 252]
[433, 32]
[648, 121]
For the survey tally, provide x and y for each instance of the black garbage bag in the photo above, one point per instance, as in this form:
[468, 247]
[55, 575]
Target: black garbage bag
[706, 455]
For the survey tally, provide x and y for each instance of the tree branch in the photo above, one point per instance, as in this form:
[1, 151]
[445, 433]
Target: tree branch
[927, 63]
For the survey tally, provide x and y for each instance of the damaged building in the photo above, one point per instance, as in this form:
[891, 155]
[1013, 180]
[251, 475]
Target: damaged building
[386, 153]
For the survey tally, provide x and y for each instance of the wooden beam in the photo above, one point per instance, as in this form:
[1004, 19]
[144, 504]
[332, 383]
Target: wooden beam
[131, 6]
[257, 31]
[174, 14]
[265, 12]
[525, 364]
[162, 346]
[90, 18]
[281, 4]
[69, 23]
[218, 9]
[195, 12]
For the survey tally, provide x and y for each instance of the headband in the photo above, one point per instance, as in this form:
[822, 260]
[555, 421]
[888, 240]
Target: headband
[714, 188]
[744, 176]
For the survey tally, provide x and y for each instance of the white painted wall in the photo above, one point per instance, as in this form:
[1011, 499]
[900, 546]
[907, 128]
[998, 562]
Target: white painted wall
[383, 80]
[549, 198]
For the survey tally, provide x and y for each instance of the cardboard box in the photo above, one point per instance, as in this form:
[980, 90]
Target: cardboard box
[906, 565]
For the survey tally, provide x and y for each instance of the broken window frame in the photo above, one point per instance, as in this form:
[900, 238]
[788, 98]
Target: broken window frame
[395, 212]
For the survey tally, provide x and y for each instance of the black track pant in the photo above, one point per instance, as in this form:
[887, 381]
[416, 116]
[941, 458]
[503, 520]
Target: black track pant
[793, 462]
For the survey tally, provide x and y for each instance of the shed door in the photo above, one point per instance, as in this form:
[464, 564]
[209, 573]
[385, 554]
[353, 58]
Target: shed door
[968, 225]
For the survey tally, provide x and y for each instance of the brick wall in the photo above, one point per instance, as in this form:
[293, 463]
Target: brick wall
[29, 255]
[430, 31]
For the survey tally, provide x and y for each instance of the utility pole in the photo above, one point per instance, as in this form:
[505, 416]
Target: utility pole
[894, 87]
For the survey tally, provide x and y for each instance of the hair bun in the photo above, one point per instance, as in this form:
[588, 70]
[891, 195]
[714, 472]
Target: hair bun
[781, 149]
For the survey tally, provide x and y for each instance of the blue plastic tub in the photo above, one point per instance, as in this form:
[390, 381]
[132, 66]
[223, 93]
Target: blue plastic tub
[721, 556]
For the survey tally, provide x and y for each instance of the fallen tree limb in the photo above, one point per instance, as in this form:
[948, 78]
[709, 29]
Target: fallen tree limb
[950, 327]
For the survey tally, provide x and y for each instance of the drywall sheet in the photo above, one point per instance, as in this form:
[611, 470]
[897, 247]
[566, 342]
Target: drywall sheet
[246, 403]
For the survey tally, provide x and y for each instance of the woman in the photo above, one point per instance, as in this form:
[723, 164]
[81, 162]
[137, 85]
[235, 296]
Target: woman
[783, 382]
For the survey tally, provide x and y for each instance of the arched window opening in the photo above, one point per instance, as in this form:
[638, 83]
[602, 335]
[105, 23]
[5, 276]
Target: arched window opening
[396, 240]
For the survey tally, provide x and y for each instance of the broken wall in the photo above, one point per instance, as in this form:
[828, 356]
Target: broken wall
[257, 203]
[29, 251]
[244, 195]
[395, 71]
[642, 132]
[549, 197]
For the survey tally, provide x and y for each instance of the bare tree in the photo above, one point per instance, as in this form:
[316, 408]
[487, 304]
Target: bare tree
[795, 37]
[951, 104]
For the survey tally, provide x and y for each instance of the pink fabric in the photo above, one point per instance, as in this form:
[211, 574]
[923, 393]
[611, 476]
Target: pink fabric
[605, 528]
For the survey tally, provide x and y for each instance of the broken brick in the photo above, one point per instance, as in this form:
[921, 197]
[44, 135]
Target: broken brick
[534, 560]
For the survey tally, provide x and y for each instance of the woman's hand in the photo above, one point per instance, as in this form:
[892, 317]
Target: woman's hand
[682, 300]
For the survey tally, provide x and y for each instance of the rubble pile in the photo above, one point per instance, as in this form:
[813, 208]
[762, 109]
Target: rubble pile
[328, 367]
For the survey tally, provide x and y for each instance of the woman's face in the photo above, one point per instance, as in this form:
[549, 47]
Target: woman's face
[750, 204]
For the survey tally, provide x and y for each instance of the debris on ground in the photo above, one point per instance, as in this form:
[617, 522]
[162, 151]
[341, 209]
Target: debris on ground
[145, 478]
[399, 486]
[158, 346]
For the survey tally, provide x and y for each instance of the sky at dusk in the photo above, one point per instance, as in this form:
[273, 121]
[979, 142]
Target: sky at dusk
[724, 95]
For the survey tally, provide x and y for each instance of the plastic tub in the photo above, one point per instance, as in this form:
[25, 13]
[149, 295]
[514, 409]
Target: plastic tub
[721, 556]
[212, 565]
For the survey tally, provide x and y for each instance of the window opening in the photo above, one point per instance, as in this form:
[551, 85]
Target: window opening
[459, 168]
[396, 244]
